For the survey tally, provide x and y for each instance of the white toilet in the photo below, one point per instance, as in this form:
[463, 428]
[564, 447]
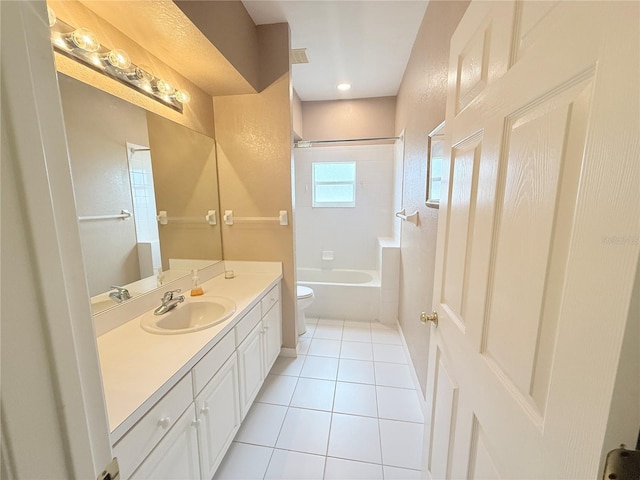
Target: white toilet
[305, 298]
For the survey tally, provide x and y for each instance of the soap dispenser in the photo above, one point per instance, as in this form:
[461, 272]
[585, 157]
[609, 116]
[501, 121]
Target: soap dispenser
[195, 288]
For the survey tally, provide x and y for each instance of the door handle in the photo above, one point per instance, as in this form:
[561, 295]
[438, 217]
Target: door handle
[426, 318]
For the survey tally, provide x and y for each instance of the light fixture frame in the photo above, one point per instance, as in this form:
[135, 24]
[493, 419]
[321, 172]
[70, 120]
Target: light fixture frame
[97, 61]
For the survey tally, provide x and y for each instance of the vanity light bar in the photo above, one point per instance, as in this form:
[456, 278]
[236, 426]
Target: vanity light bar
[82, 45]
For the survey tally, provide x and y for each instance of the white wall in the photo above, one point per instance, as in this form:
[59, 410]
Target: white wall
[351, 233]
[54, 422]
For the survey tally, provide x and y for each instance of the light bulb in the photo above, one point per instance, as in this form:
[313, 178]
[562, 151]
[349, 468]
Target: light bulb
[182, 96]
[164, 87]
[85, 39]
[119, 59]
[52, 16]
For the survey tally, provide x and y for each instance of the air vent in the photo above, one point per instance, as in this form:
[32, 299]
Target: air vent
[298, 55]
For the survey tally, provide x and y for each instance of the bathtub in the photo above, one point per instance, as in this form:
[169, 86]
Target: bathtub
[342, 294]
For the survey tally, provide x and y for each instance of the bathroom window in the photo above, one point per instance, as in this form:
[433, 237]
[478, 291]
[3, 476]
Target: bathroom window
[334, 184]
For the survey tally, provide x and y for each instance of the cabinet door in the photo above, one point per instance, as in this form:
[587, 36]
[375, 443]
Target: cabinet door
[218, 411]
[272, 322]
[176, 456]
[250, 359]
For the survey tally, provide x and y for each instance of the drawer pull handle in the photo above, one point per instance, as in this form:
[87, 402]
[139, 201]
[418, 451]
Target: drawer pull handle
[164, 422]
[204, 410]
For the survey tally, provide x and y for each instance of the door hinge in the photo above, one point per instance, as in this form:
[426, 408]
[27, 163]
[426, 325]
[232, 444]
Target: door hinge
[111, 471]
[622, 464]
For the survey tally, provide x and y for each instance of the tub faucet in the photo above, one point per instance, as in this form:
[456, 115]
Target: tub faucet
[120, 295]
[169, 302]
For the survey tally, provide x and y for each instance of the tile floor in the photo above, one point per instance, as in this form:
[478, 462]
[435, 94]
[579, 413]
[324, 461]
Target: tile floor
[345, 409]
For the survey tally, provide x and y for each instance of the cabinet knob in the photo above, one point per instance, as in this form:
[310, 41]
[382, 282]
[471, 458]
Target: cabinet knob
[164, 422]
[204, 410]
[195, 423]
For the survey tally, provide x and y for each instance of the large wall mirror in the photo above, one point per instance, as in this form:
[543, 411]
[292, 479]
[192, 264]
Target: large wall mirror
[125, 160]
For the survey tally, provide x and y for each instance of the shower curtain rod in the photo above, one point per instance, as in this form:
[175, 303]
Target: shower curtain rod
[310, 143]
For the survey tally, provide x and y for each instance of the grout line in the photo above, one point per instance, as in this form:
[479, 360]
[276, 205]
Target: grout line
[333, 413]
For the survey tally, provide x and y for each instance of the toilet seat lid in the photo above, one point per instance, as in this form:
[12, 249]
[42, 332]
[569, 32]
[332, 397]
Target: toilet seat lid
[303, 292]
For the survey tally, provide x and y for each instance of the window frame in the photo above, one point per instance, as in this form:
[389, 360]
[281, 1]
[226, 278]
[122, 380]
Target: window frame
[436, 137]
[314, 184]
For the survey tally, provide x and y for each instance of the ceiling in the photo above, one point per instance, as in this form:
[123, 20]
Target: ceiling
[365, 43]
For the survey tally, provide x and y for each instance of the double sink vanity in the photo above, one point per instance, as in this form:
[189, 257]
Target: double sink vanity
[178, 385]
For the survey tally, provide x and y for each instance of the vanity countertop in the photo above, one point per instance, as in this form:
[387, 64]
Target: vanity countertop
[138, 367]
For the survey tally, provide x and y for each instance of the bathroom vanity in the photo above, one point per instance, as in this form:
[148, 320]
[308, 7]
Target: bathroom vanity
[176, 401]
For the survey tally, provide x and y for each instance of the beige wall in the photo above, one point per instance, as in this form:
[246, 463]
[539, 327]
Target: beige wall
[186, 185]
[230, 28]
[198, 113]
[253, 137]
[342, 119]
[420, 108]
[98, 127]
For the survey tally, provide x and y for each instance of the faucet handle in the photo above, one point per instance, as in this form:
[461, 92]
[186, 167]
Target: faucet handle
[169, 294]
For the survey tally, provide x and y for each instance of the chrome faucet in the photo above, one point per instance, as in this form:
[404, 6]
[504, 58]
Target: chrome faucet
[120, 295]
[169, 302]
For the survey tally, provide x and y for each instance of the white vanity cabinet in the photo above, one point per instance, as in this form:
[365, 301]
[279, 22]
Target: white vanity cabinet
[218, 416]
[176, 456]
[259, 338]
[187, 432]
[138, 442]
[272, 331]
[250, 359]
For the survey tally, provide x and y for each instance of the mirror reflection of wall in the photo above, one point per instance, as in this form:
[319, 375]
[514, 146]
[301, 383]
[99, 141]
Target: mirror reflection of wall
[185, 177]
[120, 154]
[98, 129]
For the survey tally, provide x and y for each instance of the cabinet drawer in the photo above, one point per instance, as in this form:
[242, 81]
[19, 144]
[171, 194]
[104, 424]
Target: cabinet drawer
[270, 299]
[136, 444]
[206, 368]
[248, 323]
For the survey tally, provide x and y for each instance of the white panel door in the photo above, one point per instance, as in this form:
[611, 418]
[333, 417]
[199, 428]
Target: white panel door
[537, 238]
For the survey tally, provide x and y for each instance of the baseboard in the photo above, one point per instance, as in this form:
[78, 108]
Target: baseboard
[414, 375]
[289, 352]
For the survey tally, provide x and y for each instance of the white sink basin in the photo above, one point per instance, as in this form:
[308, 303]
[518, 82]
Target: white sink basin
[190, 316]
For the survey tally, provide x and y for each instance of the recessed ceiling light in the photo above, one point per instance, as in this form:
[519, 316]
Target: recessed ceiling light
[344, 86]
